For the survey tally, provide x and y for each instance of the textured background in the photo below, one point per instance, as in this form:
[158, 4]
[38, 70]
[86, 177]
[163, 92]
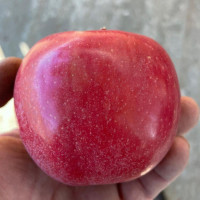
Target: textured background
[175, 24]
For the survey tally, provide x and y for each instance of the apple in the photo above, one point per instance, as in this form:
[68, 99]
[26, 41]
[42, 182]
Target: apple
[97, 107]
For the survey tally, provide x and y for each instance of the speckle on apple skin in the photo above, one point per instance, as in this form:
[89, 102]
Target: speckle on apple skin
[97, 107]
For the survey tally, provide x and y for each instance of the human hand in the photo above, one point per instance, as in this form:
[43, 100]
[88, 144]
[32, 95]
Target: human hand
[21, 179]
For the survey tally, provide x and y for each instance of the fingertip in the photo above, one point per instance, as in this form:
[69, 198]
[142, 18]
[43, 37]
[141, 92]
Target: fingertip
[14, 62]
[167, 170]
[175, 161]
[8, 70]
[189, 116]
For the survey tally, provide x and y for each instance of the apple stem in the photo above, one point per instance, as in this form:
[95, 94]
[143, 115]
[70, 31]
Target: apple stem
[103, 28]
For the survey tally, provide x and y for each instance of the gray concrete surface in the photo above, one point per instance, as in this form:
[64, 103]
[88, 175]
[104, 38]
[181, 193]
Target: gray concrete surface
[173, 23]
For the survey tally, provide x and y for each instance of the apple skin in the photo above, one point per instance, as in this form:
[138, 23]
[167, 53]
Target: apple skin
[97, 107]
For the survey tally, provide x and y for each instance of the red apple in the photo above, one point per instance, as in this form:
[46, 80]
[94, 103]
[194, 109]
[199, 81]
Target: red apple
[97, 107]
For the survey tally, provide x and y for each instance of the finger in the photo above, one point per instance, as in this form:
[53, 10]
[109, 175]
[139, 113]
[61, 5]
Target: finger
[150, 185]
[189, 115]
[15, 165]
[19, 173]
[8, 71]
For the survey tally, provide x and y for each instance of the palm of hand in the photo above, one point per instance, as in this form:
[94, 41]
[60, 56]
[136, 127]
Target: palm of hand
[21, 179]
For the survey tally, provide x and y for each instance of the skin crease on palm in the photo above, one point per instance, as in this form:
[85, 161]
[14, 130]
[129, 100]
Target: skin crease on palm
[21, 179]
